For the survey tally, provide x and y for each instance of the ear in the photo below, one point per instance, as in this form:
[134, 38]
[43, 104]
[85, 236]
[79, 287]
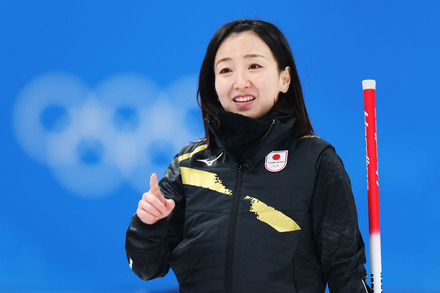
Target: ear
[285, 80]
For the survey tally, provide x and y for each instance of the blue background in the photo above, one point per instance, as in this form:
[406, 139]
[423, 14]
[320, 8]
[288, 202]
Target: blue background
[68, 188]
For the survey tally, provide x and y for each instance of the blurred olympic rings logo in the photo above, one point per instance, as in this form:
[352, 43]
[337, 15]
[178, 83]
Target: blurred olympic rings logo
[94, 140]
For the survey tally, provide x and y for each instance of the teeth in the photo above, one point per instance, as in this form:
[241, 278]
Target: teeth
[244, 99]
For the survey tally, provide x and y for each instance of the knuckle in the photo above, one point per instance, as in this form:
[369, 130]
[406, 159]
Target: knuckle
[141, 214]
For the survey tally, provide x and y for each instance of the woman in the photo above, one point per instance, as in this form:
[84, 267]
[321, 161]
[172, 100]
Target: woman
[260, 204]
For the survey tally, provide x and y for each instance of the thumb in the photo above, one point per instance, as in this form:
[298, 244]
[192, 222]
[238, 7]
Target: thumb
[170, 204]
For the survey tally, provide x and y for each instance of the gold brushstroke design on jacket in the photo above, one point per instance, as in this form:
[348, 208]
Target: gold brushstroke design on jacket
[264, 213]
[271, 216]
[203, 179]
[189, 155]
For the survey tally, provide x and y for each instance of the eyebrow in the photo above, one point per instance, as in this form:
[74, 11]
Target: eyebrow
[245, 56]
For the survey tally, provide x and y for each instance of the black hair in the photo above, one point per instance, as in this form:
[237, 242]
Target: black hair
[291, 102]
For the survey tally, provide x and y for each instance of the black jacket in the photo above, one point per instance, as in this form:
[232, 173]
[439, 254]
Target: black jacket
[281, 222]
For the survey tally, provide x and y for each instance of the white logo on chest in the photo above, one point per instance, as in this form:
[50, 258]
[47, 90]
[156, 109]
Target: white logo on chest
[209, 162]
[276, 161]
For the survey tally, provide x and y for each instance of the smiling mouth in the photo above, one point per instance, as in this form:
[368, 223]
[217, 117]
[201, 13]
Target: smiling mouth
[244, 99]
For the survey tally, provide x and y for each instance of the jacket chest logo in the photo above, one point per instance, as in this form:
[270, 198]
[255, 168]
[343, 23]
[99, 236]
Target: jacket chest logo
[209, 162]
[276, 161]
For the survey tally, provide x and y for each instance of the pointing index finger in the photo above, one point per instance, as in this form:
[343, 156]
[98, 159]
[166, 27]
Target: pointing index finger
[154, 187]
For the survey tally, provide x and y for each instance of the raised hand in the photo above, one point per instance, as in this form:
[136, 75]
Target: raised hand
[154, 206]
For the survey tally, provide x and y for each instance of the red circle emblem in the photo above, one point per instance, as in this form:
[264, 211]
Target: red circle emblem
[276, 157]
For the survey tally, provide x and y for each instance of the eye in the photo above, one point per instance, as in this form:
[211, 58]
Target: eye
[225, 70]
[255, 66]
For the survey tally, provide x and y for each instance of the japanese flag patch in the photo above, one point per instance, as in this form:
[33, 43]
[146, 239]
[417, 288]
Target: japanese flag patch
[276, 161]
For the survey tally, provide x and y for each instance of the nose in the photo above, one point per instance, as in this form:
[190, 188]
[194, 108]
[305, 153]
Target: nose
[242, 80]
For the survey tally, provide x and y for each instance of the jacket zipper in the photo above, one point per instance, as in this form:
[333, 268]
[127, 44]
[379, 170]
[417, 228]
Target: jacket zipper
[268, 131]
[262, 140]
[233, 225]
[232, 228]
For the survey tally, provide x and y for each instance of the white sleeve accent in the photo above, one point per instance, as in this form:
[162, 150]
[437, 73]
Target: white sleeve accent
[365, 286]
[131, 263]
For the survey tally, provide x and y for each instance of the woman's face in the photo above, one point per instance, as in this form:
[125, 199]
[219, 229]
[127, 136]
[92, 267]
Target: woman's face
[247, 78]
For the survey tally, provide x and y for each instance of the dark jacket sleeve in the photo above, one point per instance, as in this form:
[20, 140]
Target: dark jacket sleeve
[339, 243]
[149, 247]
